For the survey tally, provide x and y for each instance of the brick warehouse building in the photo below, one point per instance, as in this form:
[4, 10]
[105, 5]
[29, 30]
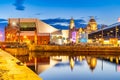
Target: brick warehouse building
[28, 30]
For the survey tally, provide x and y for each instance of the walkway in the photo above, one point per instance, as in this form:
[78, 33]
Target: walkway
[12, 69]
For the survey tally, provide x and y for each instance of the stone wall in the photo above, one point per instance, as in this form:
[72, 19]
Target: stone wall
[17, 51]
[73, 48]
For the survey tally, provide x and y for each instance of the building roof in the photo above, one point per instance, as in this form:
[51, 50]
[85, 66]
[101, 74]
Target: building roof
[92, 20]
[57, 32]
[45, 28]
[41, 26]
[110, 26]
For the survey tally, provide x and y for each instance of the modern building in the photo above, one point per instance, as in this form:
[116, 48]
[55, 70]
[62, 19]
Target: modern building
[28, 30]
[106, 35]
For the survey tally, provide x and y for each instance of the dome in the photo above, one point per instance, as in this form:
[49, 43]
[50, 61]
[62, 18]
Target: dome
[93, 63]
[92, 20]
[72, 20]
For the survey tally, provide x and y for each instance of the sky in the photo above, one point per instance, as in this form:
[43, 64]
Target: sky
[105, 11]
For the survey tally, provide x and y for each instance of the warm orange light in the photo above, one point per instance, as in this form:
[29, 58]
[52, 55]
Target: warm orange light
[100, 39]
[80, 58]
[72, 63]
[106, 41]
[25, 36]
[117, 60]
[93, 62]
[14, 23]
[8, 34]
[111, 59]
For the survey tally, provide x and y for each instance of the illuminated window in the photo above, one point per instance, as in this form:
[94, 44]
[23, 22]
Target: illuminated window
[24, 36]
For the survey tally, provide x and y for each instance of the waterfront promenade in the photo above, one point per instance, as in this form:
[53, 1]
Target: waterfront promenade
[12, 69]
[98, 50]
[75, 48]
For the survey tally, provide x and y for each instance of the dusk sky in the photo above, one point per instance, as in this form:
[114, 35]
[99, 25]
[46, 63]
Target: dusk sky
[105, 11]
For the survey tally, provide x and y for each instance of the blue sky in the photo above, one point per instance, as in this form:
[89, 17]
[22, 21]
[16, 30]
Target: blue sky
[105, 11]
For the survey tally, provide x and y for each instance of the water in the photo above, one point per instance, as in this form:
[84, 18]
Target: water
[62, 66]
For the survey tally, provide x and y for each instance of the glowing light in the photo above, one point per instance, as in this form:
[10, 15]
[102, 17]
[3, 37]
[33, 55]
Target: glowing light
[72, 63]
[74, 36]
[100, 39]
[118, 41]
[106, 42]
[111, 59]
[1, 35]
[111, 31]
[117, 61]
[83, 40]
[89, 40]
[14, 23]
[80, 58]
[93, 62]
[25, 36]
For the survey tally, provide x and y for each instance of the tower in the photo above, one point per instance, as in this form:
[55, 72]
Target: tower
[92, 25]
[72, 31]
[72, 24]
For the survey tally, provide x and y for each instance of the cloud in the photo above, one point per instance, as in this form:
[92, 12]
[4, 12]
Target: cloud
[19, 5]
[62, 24]
[56, 20]
[3, 20]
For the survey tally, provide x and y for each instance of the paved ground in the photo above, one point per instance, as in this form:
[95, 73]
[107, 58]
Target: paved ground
[12, 69]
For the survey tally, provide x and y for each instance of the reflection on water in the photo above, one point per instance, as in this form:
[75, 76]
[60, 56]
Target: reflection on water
[59, 66]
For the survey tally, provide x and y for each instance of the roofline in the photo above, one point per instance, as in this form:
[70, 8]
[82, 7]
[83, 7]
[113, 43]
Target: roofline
[110, 26]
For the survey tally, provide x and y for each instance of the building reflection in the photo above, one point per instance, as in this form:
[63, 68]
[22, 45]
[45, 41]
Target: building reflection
[117, 60]
[118, 68]
[113, 60]
[40, 63]
[92, 62]
[75, 60]
[71, 62]
[81, 58]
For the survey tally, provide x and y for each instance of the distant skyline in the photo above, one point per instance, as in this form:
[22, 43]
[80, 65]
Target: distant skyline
[104, 11]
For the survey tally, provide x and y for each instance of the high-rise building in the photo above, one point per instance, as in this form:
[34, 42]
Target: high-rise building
[72, 31]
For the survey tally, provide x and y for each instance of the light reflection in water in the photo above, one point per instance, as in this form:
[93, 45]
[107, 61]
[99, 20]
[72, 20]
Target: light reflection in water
[76, 67]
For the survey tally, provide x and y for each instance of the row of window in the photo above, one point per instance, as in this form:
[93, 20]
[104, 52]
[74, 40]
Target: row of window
[107, 33]
[28, 29]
